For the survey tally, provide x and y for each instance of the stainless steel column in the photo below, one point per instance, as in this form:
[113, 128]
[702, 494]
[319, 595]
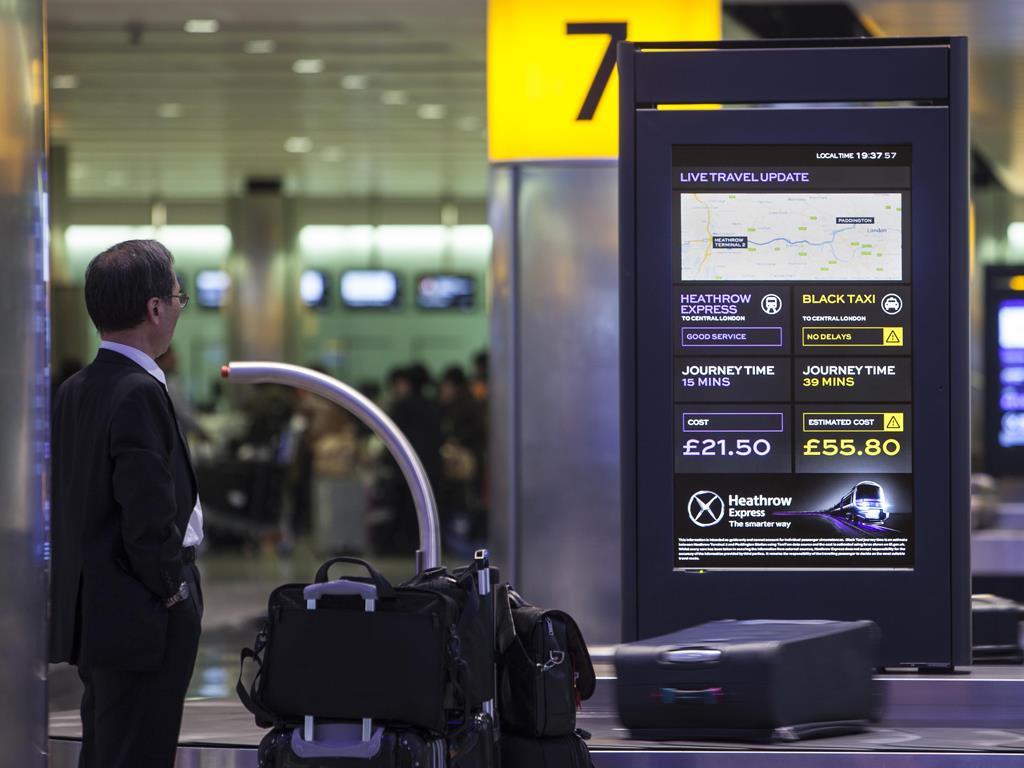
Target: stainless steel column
[24, 385]
[555, 388]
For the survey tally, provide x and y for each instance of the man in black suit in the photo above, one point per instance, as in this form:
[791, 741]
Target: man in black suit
[126, 519]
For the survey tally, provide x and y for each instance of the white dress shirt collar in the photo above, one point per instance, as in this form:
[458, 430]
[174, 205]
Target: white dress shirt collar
[137, 356]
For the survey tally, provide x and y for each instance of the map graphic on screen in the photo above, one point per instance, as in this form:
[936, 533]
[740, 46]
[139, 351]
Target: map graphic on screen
[786, 236]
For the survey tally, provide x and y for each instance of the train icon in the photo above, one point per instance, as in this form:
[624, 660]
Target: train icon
[865, 502]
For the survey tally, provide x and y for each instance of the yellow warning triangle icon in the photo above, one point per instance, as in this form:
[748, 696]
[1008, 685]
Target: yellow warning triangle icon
[892, 422]
[892, 337]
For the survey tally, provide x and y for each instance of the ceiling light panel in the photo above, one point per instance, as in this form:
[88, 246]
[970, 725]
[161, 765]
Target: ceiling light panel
[64, 82]
[431, 111]
[394, 98]
[202, 26]
[169, 110]
[298, 144]
[354, 82]
[260, 46]
[308, 66]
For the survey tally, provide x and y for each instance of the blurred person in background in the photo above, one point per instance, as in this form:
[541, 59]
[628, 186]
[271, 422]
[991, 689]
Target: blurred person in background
[168, 363]
[479, 385]
[464, 436]
[420, 421]
[336, 515]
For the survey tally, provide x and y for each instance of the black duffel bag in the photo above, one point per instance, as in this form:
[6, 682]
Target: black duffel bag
[401, 663]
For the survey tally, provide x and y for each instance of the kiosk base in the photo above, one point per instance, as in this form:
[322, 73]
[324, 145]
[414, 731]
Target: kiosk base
[936, 721]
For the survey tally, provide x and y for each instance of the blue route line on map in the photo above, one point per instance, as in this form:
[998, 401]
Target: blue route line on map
[803, 242]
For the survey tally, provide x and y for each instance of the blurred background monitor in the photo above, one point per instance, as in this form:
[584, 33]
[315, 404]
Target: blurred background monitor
[370, 289]
[313, 288]
[1004, 371]
[445, 291]
[212, 288]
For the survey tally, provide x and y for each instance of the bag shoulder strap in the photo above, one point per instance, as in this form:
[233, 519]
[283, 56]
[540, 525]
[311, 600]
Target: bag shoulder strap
[262, 714]
[525, 617]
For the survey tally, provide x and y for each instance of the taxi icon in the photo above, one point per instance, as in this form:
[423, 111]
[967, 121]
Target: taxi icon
[891, 304]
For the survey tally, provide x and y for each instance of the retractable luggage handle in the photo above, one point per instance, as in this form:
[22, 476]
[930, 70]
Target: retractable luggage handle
[482, 562]
[312, 593]
[429, 553]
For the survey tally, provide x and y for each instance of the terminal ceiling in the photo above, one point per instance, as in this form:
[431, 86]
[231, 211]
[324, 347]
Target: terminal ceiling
[159, 112]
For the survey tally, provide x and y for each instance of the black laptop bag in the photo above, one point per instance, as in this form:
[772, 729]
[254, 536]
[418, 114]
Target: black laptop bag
[401, 663]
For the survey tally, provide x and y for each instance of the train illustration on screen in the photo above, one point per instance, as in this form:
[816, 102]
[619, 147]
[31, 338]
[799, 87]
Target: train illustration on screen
[865, 502]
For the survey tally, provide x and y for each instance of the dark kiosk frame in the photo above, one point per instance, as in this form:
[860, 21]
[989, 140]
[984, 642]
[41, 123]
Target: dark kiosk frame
[868, 92]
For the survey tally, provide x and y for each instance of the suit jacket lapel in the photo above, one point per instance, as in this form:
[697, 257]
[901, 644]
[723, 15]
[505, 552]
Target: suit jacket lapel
[184, 442]
[116, 358]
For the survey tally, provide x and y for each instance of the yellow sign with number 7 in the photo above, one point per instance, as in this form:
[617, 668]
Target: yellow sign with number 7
[552, 85]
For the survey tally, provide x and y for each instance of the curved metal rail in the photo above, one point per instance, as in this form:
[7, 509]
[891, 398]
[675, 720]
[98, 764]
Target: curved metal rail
[429, 553]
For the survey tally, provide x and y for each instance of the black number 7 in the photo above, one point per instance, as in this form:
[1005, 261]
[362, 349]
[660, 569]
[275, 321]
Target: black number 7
[616, 31]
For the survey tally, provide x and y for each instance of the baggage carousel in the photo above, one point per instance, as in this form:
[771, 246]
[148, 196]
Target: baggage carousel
[973, 718]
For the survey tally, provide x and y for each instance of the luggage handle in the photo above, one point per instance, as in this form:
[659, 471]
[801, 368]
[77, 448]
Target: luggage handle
[384, 589]
[338, 740]
[369, 594]
[314, 592]
[690, 656]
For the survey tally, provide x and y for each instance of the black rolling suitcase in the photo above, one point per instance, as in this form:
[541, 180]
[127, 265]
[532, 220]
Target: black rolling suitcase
[340, 745]
[551, 752]
[749, 680]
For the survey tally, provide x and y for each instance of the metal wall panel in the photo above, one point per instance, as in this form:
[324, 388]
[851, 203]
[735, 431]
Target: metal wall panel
[24, 385]
[557, 406]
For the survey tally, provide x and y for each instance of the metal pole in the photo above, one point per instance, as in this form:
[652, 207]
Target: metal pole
[429, 553]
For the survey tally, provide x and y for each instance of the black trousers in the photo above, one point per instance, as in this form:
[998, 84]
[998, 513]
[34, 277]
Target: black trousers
[133, 719]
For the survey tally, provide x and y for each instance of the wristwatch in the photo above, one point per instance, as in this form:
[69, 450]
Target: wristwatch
[177, 597]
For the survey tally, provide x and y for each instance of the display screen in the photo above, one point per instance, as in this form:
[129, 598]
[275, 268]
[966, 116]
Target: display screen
[792, 357]
[212, 288]
[1010, 330]
[445, 291]
[370, 289]
[313, 288]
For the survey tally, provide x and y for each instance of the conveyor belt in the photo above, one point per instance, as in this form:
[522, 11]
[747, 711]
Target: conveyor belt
[973, 719]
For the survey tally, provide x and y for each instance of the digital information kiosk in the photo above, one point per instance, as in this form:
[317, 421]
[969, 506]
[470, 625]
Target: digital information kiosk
[794, 338]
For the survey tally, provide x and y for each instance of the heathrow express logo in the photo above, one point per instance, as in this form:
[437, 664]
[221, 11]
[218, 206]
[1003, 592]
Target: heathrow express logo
[706, 508]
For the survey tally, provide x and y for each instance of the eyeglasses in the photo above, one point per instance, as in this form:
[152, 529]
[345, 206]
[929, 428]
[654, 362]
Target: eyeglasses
[181, 297]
